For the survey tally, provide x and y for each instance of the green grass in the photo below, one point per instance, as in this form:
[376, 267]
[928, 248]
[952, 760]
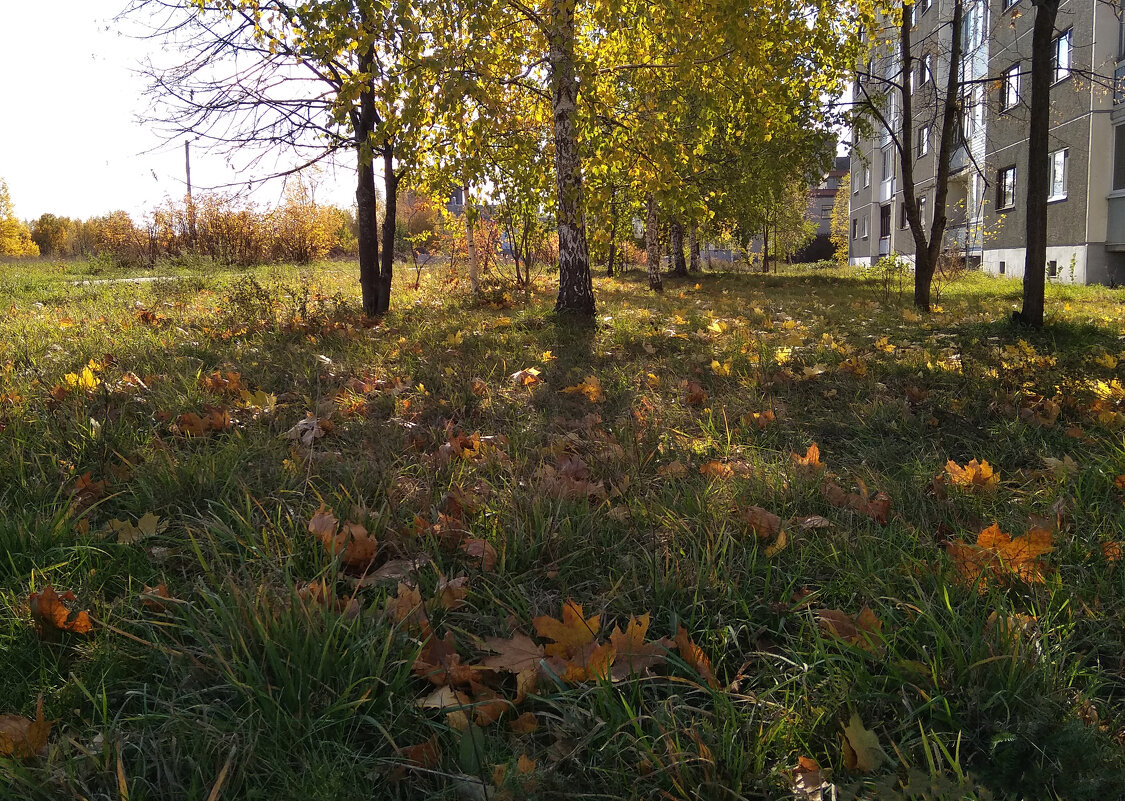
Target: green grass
[241, 685]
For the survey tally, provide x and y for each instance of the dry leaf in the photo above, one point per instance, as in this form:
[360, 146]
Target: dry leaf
[570, 634]
[974, 475]
[632, 655]
[693, 655]
[590, 387]
[763, 523]
[861, 747]
[481, 552]
[810, 462]
[51, 616]
[22, 738]
[525, 723]
[515, 655]
[864, 631]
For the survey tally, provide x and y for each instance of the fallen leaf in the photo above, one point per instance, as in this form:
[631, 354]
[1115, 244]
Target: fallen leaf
[526, 723]
[527, 377]
[515, 655]
[807, 780]
[863, 631]
[999, 555]
[452, 592]
[570, 634]
[481, 552]
[693, 655]
[974, 475]
[590, 387]
[51, 616]
[778, 545]
[22, 738]
[716, 469]
[861, 747]
[763, 523]
[810, 462]
[406, 605]
[632, 655]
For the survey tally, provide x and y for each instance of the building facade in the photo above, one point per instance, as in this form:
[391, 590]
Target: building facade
[987, 189]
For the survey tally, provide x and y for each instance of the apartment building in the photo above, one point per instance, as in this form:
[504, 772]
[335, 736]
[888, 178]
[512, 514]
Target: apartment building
[987, 190]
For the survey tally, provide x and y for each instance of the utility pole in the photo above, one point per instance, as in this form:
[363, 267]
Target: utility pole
[190, 205]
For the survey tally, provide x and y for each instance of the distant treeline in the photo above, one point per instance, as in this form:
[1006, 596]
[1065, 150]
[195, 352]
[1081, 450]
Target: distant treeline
[223, 228]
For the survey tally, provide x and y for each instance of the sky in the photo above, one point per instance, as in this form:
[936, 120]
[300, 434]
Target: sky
[70, 140]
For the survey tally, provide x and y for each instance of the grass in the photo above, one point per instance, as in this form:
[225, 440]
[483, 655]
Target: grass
[242, 688]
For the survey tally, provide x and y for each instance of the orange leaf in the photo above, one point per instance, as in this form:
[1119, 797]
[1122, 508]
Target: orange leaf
[694, 656]
[763, 523]
[22, 738]
[633, 655]
[974, 475]
[570, 634]
[863, 631]
[481, 552]
[51, 616]
[810, 461]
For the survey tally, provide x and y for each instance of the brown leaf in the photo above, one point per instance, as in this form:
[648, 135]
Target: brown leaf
[716, 469]
[515, 655]
[525, 723]
[482, 553]
[51, 616]
[570, 634]
[406, 605]
[863, 631]
[425, 755]
[693, 655]
[633, 656]
[861, 747]
[22, 738]
[810, 462]
[439, 663]
[452, 592]
[763, 523]
[807, 780]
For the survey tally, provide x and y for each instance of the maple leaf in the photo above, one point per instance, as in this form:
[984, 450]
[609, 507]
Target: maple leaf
[974, 475]
[632, 655]
[22, 738]
[147, 526]
[527, 377]
[356, 548]
[1000, 555]
[863, 631]
[764, 523]
[406, 605]
[51, 616]
[439, 663]
[322, 595]
[308, 430]
[694, 394]
[570, 634]
[877, 508]
[861, 747]
[515, 655]
[481, 552]
[426, 755]
[590, 387]
[526, 723]
[452, 592]
[716, 469]
[810, 461]
[154, 597]
[693, 655]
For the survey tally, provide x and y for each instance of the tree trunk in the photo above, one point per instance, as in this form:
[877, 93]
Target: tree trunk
[363, 121]
[676, 235]
[612, 230]
[471, 245]
[652, 245]
[576, 287]
[765, 249]
[693, 248]
[1038, 144]
[386, 271]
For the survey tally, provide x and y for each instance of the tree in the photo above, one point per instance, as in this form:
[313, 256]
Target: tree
[841, 217]
[313, 79]
[901, 130]
[15, 236]
[1038, 147]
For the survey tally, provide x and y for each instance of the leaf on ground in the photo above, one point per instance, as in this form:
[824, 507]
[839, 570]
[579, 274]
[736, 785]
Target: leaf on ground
[810, 462]
[811, 522]
[570, 634]
[877, 508]
[633, 656]
[676, 469]
[425, 755]
[807, 780]
[716, 469]
[439, 663]
[452, 592]
[128, 533]
[694, 394]
[974, 475]
[22, 738]
[527, 377]
[999, 555]
[482, 553]
[778, 545]
[154, 597]
[406, 605]
[357, 549]
[308, 430]
[764, 523]
[864, 631]
[693, 655]
[515, 655]
[51, 616]
[590, 388]
[861, 747]
[526, 723]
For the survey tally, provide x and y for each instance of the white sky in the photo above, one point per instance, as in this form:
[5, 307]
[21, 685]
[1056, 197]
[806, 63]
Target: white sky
[70, 142]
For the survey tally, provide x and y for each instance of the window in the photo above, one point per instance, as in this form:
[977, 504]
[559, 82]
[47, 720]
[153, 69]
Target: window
[866, 176]
[923, 140]
[888, 165]
[922, 210]
[1057, 162]
[923, 6]
[885, 221]
[855, 228]
[1061, 56]
[1119, 158]
[1009, 3]
[1003, 268]
[903, 223]
[967, 114]
[826, 210]
[863, 227]
[856, 182]
[1006, 188]
[1052, 269]
[1010, 88]
[927, 68]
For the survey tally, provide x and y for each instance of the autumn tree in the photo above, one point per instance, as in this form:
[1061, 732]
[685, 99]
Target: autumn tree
[841, 217]
[15, 236]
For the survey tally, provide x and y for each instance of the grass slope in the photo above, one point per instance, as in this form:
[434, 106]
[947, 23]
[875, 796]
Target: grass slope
[243, 687]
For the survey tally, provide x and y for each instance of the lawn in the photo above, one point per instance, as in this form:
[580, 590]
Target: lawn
[475, 551]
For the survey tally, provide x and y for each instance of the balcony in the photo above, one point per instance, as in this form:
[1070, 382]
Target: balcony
[886, 190]
[1115, 226]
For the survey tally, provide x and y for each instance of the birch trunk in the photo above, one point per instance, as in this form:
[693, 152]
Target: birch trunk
[652, 245]
[471, 246]
[676, 238]
[693, 248]
[576, 288]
